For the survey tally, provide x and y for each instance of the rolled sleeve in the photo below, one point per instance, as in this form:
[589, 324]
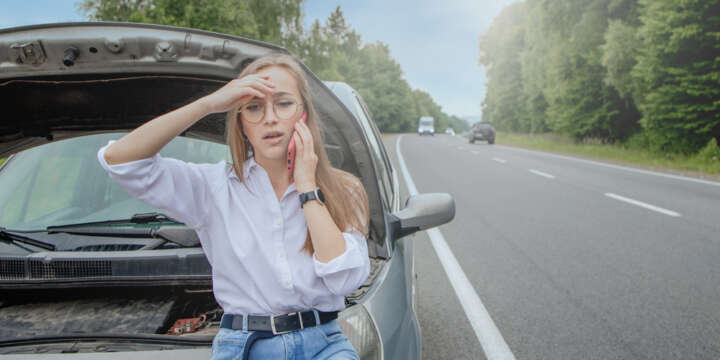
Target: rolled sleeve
[345, 273]
[173, 186]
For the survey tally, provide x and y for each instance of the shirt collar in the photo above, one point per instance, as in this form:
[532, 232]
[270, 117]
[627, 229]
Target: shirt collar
[248, 166]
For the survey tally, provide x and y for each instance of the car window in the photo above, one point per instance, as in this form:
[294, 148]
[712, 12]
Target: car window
[59, 183]
[386, 160]
[380, 164]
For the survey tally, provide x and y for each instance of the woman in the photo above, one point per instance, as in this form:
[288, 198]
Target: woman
[276, 245]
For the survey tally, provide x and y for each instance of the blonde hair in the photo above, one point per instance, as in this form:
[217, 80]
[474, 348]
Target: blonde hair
[345, 196]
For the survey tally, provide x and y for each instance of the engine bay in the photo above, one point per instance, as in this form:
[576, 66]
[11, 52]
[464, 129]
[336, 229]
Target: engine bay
[113, 311]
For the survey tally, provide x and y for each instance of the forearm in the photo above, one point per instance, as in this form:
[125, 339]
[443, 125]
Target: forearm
[147, 140]
[327, 238]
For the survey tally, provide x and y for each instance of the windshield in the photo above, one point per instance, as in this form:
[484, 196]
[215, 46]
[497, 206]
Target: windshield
[62, 182]
[426, 122]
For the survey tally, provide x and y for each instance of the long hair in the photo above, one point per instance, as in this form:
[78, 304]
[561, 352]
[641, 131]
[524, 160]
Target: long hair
[345, 195]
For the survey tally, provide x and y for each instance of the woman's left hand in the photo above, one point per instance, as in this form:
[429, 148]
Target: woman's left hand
[305, 159]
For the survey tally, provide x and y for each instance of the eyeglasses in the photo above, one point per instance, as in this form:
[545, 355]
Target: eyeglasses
[284, 108]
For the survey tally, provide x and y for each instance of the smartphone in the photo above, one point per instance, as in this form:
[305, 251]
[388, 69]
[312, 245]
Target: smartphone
[291, 148]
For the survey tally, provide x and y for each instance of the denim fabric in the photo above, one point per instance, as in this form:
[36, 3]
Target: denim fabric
[318, 342]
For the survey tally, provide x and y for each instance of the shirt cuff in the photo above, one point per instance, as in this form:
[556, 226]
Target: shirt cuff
[125, 168]
[353, 256]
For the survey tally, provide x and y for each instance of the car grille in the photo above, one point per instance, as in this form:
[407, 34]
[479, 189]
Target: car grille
[119, 266]
[69, 269]
[12, 269]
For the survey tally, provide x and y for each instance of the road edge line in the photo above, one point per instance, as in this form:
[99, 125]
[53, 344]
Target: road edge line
[490, 338]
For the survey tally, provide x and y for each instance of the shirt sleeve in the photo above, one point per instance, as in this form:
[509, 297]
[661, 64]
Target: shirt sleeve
[345, 273]
[175, 187]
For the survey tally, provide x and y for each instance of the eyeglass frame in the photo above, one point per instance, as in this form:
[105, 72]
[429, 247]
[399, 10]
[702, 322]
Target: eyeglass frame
[297, 106]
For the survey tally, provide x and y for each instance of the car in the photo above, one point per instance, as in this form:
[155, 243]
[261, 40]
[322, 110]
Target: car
[86, 269]
[450, 131]
[426, 126]
[482, 130]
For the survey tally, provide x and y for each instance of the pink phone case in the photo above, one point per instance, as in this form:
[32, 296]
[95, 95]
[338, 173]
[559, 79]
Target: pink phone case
[291, 148]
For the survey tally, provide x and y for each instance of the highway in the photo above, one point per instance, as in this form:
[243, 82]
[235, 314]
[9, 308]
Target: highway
[572, 259]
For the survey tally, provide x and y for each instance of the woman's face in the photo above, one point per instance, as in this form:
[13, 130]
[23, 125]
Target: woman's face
[271, 134]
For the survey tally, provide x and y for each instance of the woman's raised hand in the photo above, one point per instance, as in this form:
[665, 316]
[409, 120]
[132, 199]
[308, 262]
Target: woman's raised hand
[237, 91]
[305, 159]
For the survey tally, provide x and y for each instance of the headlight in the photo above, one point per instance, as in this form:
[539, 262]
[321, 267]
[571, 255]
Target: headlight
[360, 329]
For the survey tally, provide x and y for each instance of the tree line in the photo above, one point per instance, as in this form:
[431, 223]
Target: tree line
[644, 73]
[333, 50]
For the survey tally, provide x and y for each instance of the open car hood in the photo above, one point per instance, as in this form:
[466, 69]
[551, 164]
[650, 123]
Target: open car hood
[71, 79]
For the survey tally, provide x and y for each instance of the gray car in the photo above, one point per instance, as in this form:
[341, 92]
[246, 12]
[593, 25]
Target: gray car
[482, 130]
[88, 270]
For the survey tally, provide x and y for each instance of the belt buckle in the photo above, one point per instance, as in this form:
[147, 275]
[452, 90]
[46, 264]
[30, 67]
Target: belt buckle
[272, 323]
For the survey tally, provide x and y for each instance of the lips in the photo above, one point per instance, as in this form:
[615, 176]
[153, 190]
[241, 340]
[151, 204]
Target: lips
[273, 138]
[272, 135]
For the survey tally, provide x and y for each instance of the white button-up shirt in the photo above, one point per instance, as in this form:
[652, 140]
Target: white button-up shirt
[253, 241]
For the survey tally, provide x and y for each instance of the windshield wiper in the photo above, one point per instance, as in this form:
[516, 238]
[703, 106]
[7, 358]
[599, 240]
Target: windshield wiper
[181, 235]
[142, 218]
[14, 237]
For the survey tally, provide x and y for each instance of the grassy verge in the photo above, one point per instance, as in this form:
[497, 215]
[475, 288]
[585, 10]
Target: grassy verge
[2, 161]
[691, 165]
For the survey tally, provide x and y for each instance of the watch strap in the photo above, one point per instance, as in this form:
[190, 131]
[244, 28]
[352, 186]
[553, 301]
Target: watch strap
[311, 195]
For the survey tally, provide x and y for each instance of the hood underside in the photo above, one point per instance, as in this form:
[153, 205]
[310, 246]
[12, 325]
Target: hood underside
[65, 80]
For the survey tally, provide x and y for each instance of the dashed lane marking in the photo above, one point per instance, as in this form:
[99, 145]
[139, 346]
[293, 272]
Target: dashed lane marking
[540, 173]
[643, 204]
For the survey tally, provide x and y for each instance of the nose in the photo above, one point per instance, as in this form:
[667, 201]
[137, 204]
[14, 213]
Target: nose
[269, 115]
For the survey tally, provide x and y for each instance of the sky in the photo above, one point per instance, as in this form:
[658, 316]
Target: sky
[435, 43]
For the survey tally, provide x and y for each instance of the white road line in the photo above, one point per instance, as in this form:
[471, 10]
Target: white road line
[639, 171]
[500, 160]
[541, 174]
[475, 152]
[642, 204]
[487, 333]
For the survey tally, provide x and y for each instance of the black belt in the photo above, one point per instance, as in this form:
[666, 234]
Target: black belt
[277, 324]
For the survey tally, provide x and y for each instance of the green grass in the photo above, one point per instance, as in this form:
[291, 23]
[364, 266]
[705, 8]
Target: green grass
[617, 153]
[2, 161]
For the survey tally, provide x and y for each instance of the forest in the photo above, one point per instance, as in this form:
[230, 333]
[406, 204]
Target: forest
[640, 73]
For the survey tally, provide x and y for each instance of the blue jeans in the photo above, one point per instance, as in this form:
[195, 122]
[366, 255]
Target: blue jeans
[318, 342]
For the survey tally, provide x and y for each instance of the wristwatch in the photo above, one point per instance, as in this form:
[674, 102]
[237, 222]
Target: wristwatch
[312, 195]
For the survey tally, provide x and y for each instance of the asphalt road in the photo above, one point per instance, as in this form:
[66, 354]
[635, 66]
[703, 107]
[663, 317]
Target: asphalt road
[572, 260]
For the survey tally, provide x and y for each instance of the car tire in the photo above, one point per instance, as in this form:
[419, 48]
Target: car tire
[472, 141]
[490, 142]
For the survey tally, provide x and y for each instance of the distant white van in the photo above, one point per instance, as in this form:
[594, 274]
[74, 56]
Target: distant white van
[426, 126]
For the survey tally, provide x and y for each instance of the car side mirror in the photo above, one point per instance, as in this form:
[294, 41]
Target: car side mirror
[421, 212]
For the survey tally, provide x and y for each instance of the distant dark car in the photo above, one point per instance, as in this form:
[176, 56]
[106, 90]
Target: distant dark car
[86, 268]
[482, 131]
